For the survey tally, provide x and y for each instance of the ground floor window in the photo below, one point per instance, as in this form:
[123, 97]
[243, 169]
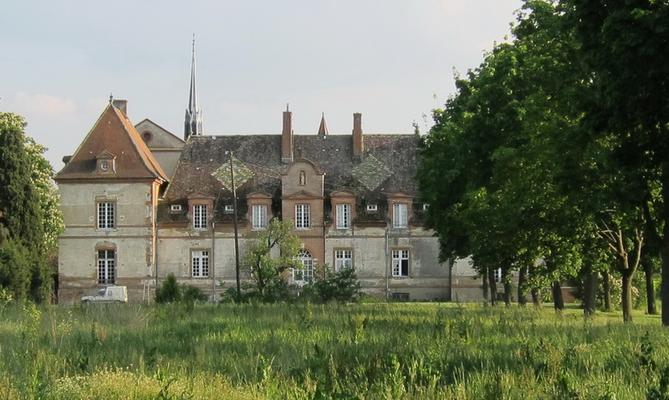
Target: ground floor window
[306, 273]
[343, 259]
[106, 266]
[400, 263]
[200, 263]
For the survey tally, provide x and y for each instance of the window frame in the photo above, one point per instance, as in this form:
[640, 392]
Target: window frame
[372, 208]
[400, 221]
[343, 215]
[397, 256]
[259, 223]
[338, 255]
[303, 217]
[199, 219]
[204, 264]
[106, 264]
[306, 273]
[110, 222]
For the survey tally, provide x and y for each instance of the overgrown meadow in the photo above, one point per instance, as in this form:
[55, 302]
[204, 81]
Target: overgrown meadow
[365, 351]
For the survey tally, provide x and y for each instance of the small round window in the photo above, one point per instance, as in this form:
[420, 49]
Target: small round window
[147, 136]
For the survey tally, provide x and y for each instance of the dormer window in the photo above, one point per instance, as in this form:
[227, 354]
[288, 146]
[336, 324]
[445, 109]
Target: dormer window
[106, 163]
[372, 208]
[425, 206]
[175, 208]
[229, 209]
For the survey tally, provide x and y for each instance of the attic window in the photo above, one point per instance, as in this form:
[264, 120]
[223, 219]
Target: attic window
[147, 136]
[229, 209]
[425, 206]
[372, 208]
[106, 163]
[175, 208]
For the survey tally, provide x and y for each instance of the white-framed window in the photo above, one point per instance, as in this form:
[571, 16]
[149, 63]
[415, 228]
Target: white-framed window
[497, 272]
[425, 206]
[343, 259]
[343, 216]
[106, 267]
[400, 263]
[228, 209]
[400, 215]
[259, 216]
[199, 216]
[305, 274]
[200, 263]
[175, 208]
[372, 208]
[106, 211]
[302, 216]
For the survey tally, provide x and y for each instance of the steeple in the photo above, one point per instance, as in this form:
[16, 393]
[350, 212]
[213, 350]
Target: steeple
[323, 128]
[193, 122]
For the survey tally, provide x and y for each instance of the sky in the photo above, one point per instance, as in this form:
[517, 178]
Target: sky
[391, 60]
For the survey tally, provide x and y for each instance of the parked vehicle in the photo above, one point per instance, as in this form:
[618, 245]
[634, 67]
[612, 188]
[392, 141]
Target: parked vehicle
[109, 294]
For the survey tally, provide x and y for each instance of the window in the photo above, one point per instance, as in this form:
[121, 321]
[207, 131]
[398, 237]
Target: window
[399, 215]
[400, 263]
[200, 263]
[343, 259]
[302, 216]
[105, 215]
[372, 207]
[259, 216]
[229, 209]
[106, 267]
[425, 206]
[200, 216]
[343, 216]
[306, 273]
[497, 272]
[175, 208]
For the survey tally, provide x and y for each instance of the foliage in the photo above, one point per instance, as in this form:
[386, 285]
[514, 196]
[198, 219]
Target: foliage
[14, 269]
[169, 291]
[341, 286]
[270, 257]
[191, 294]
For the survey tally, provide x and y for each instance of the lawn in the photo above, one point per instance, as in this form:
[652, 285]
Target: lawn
[366, 351]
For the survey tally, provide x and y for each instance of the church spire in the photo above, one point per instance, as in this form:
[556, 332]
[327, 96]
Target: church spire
[323, 127]
[193, 121]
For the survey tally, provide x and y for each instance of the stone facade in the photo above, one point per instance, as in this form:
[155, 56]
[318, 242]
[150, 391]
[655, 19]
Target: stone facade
[352, 199]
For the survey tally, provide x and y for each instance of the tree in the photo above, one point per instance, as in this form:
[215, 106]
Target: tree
[271, 255]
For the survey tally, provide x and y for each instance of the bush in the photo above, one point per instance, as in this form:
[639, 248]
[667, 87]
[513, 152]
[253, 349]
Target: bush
[169, 291]
[341, 286]
[192, 294]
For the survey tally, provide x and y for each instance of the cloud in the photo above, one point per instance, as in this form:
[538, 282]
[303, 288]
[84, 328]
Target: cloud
[44, 105]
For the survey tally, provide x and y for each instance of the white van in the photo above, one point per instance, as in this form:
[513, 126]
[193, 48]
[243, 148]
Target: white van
[109, 294]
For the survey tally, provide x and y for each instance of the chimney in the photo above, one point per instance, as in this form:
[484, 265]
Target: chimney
[287, 137]
[121, 105]
[358, 145]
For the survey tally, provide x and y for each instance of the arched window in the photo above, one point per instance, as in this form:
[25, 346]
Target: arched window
[306, 273]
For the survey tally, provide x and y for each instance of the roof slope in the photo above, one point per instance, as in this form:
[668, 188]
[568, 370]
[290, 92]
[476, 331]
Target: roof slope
[114, 133]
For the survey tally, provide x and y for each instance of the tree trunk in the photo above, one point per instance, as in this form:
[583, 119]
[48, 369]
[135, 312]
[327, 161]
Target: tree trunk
[590, 292]
[606, 285]
[507, 286]
[650, 287]
[484, 277]
[665, 244]
[536, 297]
[558, 301]
[627, 297]
[522, 283]
[492, 286]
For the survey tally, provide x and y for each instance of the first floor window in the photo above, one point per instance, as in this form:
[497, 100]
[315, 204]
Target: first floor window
[259, 216]
[105, 215]
[106, 266]
[200, 216]
[343, 259]
[302, 216]
[200, 263]
[400, 262]
[498, 274]
[306, 273]
[343, 212]
[400, 219]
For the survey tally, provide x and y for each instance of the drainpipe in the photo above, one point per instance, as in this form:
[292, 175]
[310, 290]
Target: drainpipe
[213, 258]
[387, 265]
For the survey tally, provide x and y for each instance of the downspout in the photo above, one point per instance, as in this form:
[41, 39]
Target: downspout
[154, 203]
[387, 265]
[213, 258]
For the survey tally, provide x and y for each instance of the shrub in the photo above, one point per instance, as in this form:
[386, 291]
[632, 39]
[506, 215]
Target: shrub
[192, 294]
[341, 286]
[169, 291]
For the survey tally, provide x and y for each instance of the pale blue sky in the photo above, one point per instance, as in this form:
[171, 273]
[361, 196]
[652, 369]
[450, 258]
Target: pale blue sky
[391, 60]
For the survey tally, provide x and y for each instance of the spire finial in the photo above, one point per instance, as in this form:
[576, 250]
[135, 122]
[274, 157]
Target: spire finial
[193, 121]
[323, 127]
[111, 98]
[287, 107]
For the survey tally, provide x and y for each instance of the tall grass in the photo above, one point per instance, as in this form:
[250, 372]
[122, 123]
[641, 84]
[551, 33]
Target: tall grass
[366, 351]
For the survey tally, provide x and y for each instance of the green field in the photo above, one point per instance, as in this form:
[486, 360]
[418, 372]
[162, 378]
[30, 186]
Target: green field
[364, 351]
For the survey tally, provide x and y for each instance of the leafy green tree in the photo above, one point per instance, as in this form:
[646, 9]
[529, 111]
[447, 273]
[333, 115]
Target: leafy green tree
[271, 255]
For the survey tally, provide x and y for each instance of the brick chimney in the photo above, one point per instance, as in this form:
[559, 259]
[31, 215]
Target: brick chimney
[358, 145]
[287, 137]
[121, 105]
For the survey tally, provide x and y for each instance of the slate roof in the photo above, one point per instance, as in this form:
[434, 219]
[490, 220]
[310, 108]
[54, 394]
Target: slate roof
[114, 133]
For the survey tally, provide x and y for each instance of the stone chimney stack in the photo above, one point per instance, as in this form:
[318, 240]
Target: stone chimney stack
[287, 137]
[358, 145]
[121, 105]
